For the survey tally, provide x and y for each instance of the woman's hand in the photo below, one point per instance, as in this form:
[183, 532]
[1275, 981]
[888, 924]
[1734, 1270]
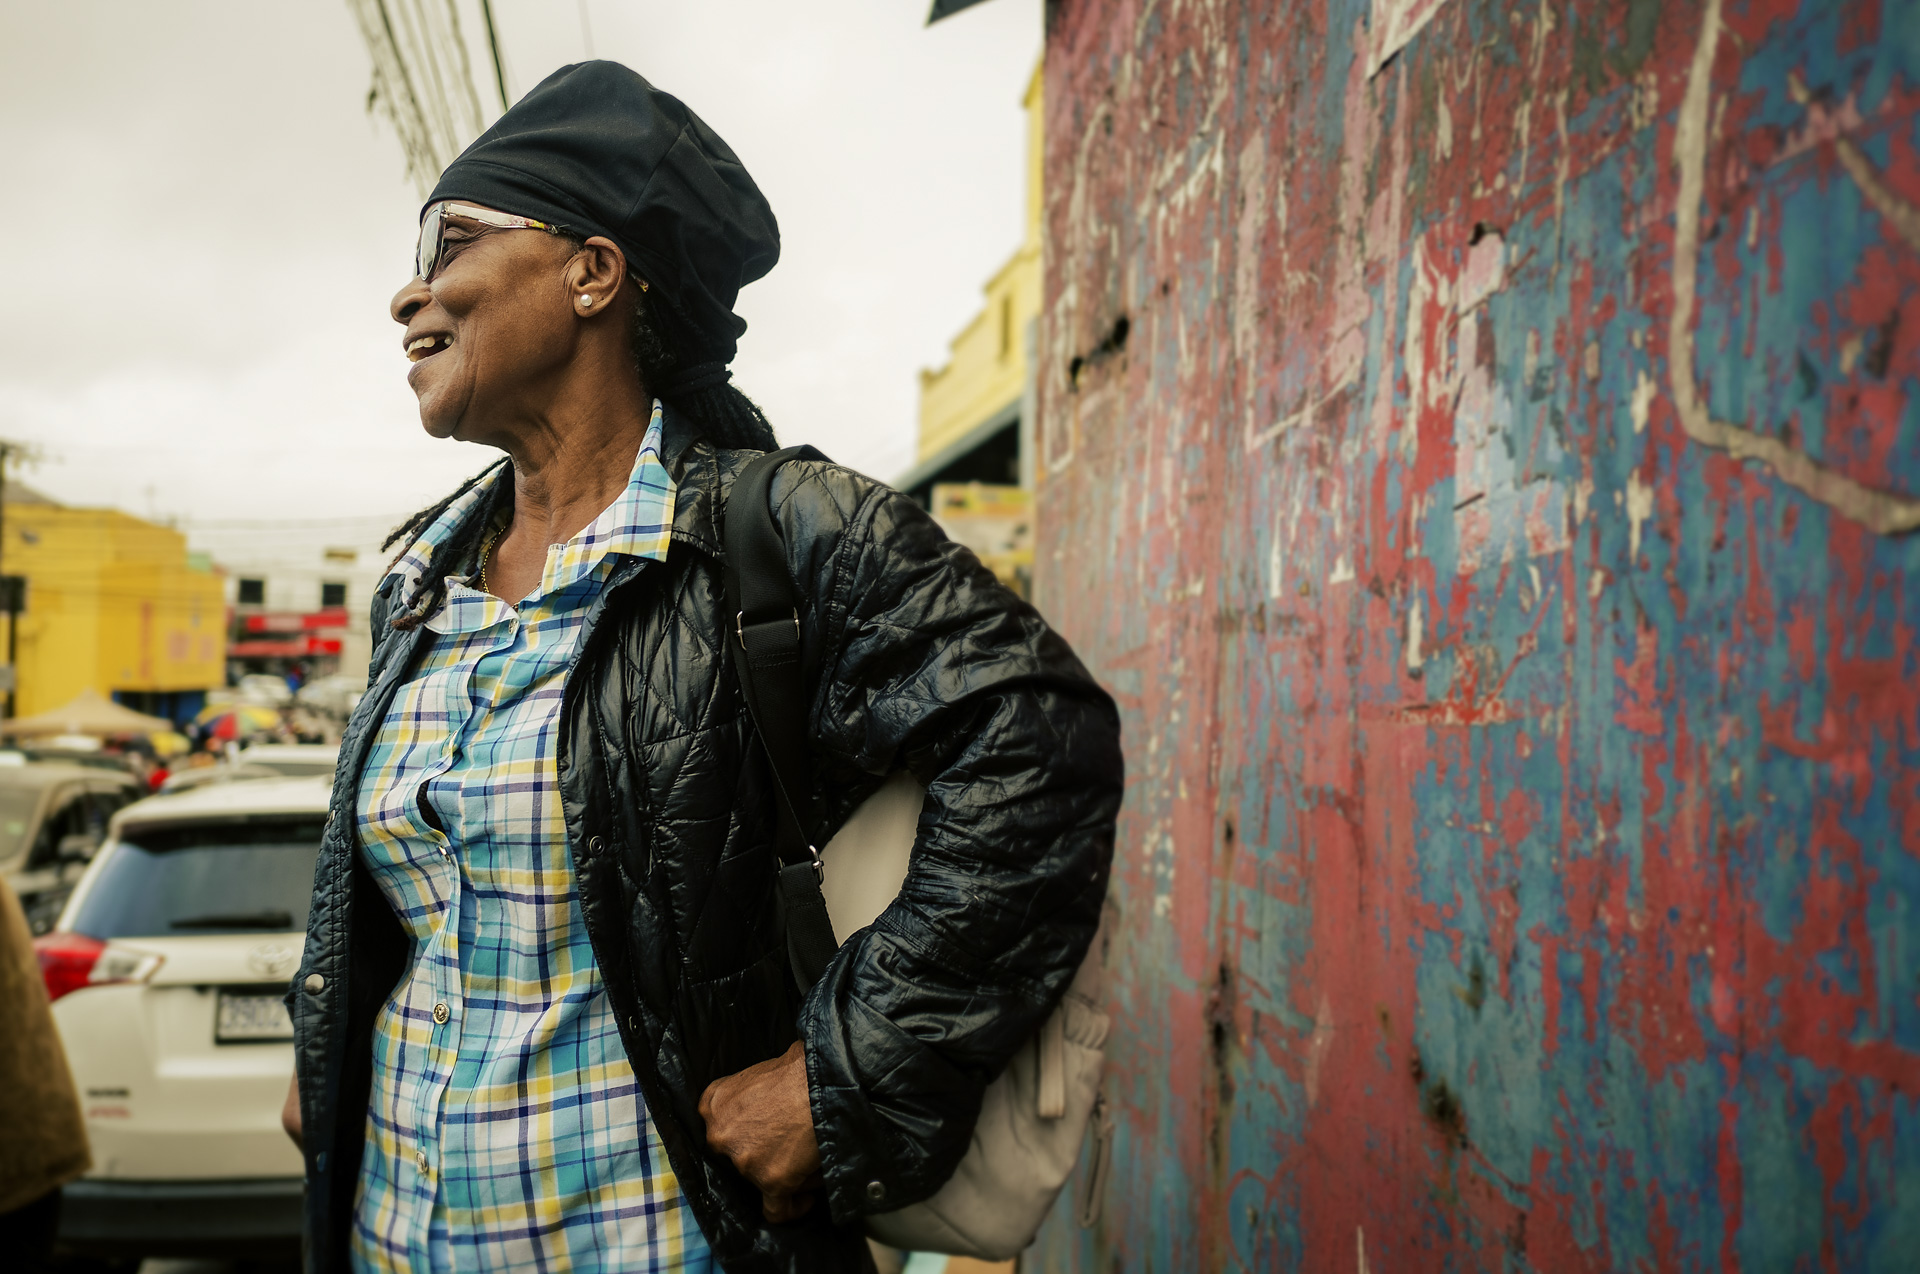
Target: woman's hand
[290, 1111]
[761, 1119]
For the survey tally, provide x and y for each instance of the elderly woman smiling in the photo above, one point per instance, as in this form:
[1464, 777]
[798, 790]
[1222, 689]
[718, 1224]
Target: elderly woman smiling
[545, 1018]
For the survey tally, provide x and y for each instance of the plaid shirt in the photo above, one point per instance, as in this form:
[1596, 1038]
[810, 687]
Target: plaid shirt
[505, 1129]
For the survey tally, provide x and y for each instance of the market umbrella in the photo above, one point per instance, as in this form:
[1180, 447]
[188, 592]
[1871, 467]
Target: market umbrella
[89, 713]
[236, 720]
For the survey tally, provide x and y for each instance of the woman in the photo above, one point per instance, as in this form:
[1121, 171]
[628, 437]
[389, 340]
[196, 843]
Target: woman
[545, 1017]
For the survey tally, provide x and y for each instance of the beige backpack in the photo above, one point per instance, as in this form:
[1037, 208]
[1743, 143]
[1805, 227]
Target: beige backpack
[1035, 1116]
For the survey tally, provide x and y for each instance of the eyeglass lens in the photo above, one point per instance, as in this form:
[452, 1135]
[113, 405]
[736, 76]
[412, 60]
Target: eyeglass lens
[427, 255]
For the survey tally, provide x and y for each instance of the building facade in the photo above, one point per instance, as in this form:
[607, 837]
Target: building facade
[114, 604]
[298, 592]
[1478, 448]
[972, 467]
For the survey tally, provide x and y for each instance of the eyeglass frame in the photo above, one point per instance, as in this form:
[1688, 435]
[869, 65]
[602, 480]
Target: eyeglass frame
[434, 222]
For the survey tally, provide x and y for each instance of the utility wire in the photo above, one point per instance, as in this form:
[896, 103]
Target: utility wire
[423, 79]
[459, 42]
[493, 47]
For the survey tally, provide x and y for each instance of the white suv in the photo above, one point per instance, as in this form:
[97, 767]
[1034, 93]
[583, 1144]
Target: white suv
[167, 970]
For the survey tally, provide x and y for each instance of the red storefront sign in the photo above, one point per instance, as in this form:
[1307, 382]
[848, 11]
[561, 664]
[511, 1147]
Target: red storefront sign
[288, 648]
[295, 621]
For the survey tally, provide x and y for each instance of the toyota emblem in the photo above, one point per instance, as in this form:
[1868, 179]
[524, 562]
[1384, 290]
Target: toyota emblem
[272, 960]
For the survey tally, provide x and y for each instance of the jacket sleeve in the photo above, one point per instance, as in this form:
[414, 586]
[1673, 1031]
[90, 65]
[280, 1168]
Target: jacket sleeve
[925, 660]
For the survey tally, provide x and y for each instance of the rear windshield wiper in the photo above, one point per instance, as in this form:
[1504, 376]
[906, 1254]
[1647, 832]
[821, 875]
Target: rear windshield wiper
[239, 920]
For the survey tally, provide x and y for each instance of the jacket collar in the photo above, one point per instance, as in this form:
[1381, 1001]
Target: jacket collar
[696, 468]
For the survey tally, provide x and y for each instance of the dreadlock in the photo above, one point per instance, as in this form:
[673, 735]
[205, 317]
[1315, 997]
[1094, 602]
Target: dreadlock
[461, 548]
[699, 391]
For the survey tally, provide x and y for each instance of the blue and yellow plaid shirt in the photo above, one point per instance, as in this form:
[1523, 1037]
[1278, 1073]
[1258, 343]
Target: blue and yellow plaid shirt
[505, 1130]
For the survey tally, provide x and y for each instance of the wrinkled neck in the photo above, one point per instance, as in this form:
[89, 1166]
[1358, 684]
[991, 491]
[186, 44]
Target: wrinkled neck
[572, 459]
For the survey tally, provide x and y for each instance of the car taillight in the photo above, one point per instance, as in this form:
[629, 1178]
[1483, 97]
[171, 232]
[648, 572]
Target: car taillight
[66, 961]
[71, 961]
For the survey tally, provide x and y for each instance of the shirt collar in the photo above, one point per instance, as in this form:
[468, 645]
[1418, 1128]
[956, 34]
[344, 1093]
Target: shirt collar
[639, 523]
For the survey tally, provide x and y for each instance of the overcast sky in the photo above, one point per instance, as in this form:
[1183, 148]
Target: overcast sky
[202, 227]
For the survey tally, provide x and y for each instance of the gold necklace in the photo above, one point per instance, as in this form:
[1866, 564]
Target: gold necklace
[486, 556]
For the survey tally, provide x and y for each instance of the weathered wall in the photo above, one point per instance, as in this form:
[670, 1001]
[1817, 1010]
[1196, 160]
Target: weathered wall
[1479, 482]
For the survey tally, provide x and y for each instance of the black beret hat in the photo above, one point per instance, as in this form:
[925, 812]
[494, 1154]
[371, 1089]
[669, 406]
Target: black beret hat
[598, 150]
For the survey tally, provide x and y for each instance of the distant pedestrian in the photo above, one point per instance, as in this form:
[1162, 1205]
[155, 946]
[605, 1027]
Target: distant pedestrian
[546, 1017]
[43, 1140]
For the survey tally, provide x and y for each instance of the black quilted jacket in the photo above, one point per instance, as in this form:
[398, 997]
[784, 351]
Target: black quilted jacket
[915, 657]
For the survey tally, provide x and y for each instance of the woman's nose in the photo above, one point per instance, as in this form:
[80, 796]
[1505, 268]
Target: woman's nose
[408, 300]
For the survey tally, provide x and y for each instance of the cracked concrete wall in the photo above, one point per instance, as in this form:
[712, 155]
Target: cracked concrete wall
[1477, 443]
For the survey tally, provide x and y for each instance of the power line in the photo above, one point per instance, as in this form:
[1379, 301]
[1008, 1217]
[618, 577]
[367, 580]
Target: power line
[493, 47]
[423, 79]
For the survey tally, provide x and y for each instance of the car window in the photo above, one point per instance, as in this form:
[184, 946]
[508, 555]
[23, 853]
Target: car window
[103, 803]
[17, 806]
[177, 880]
[67, 817]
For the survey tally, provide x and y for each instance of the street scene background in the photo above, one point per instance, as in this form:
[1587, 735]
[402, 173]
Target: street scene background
[206, 432]
[1477, 445]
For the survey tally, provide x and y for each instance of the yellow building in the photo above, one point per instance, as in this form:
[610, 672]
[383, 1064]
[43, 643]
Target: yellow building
[113, 604]
[973, 404]
[974, 425]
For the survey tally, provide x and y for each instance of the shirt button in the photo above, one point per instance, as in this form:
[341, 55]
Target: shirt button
[420, 1160]
[441, 1013]
[446, 851]
[875, 1192]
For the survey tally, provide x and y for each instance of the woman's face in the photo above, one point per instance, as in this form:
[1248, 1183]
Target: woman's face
[490, 337]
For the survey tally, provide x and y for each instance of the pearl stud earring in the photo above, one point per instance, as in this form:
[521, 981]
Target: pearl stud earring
[585, 300]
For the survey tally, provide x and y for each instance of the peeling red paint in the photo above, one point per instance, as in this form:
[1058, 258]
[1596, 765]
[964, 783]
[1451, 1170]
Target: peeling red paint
[1484, 530]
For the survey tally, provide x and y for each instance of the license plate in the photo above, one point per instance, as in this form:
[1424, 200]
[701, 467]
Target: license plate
[251, 1017]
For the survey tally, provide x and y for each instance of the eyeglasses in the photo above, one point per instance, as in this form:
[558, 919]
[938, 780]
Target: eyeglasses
[433, 228]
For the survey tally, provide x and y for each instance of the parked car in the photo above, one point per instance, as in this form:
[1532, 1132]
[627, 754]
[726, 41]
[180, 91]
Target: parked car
[260, 761]
[95, 758]
[265, 688]
[53, 816]
[335, 694]
[295, 760]
[166, 972]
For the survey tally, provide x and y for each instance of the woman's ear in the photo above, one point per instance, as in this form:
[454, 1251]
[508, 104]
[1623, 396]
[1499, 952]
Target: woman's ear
[594, 275]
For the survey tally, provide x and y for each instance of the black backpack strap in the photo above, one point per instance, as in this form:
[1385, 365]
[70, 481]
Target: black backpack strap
[763, 631]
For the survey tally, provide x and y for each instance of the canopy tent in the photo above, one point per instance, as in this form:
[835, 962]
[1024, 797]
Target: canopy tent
[88, 713]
